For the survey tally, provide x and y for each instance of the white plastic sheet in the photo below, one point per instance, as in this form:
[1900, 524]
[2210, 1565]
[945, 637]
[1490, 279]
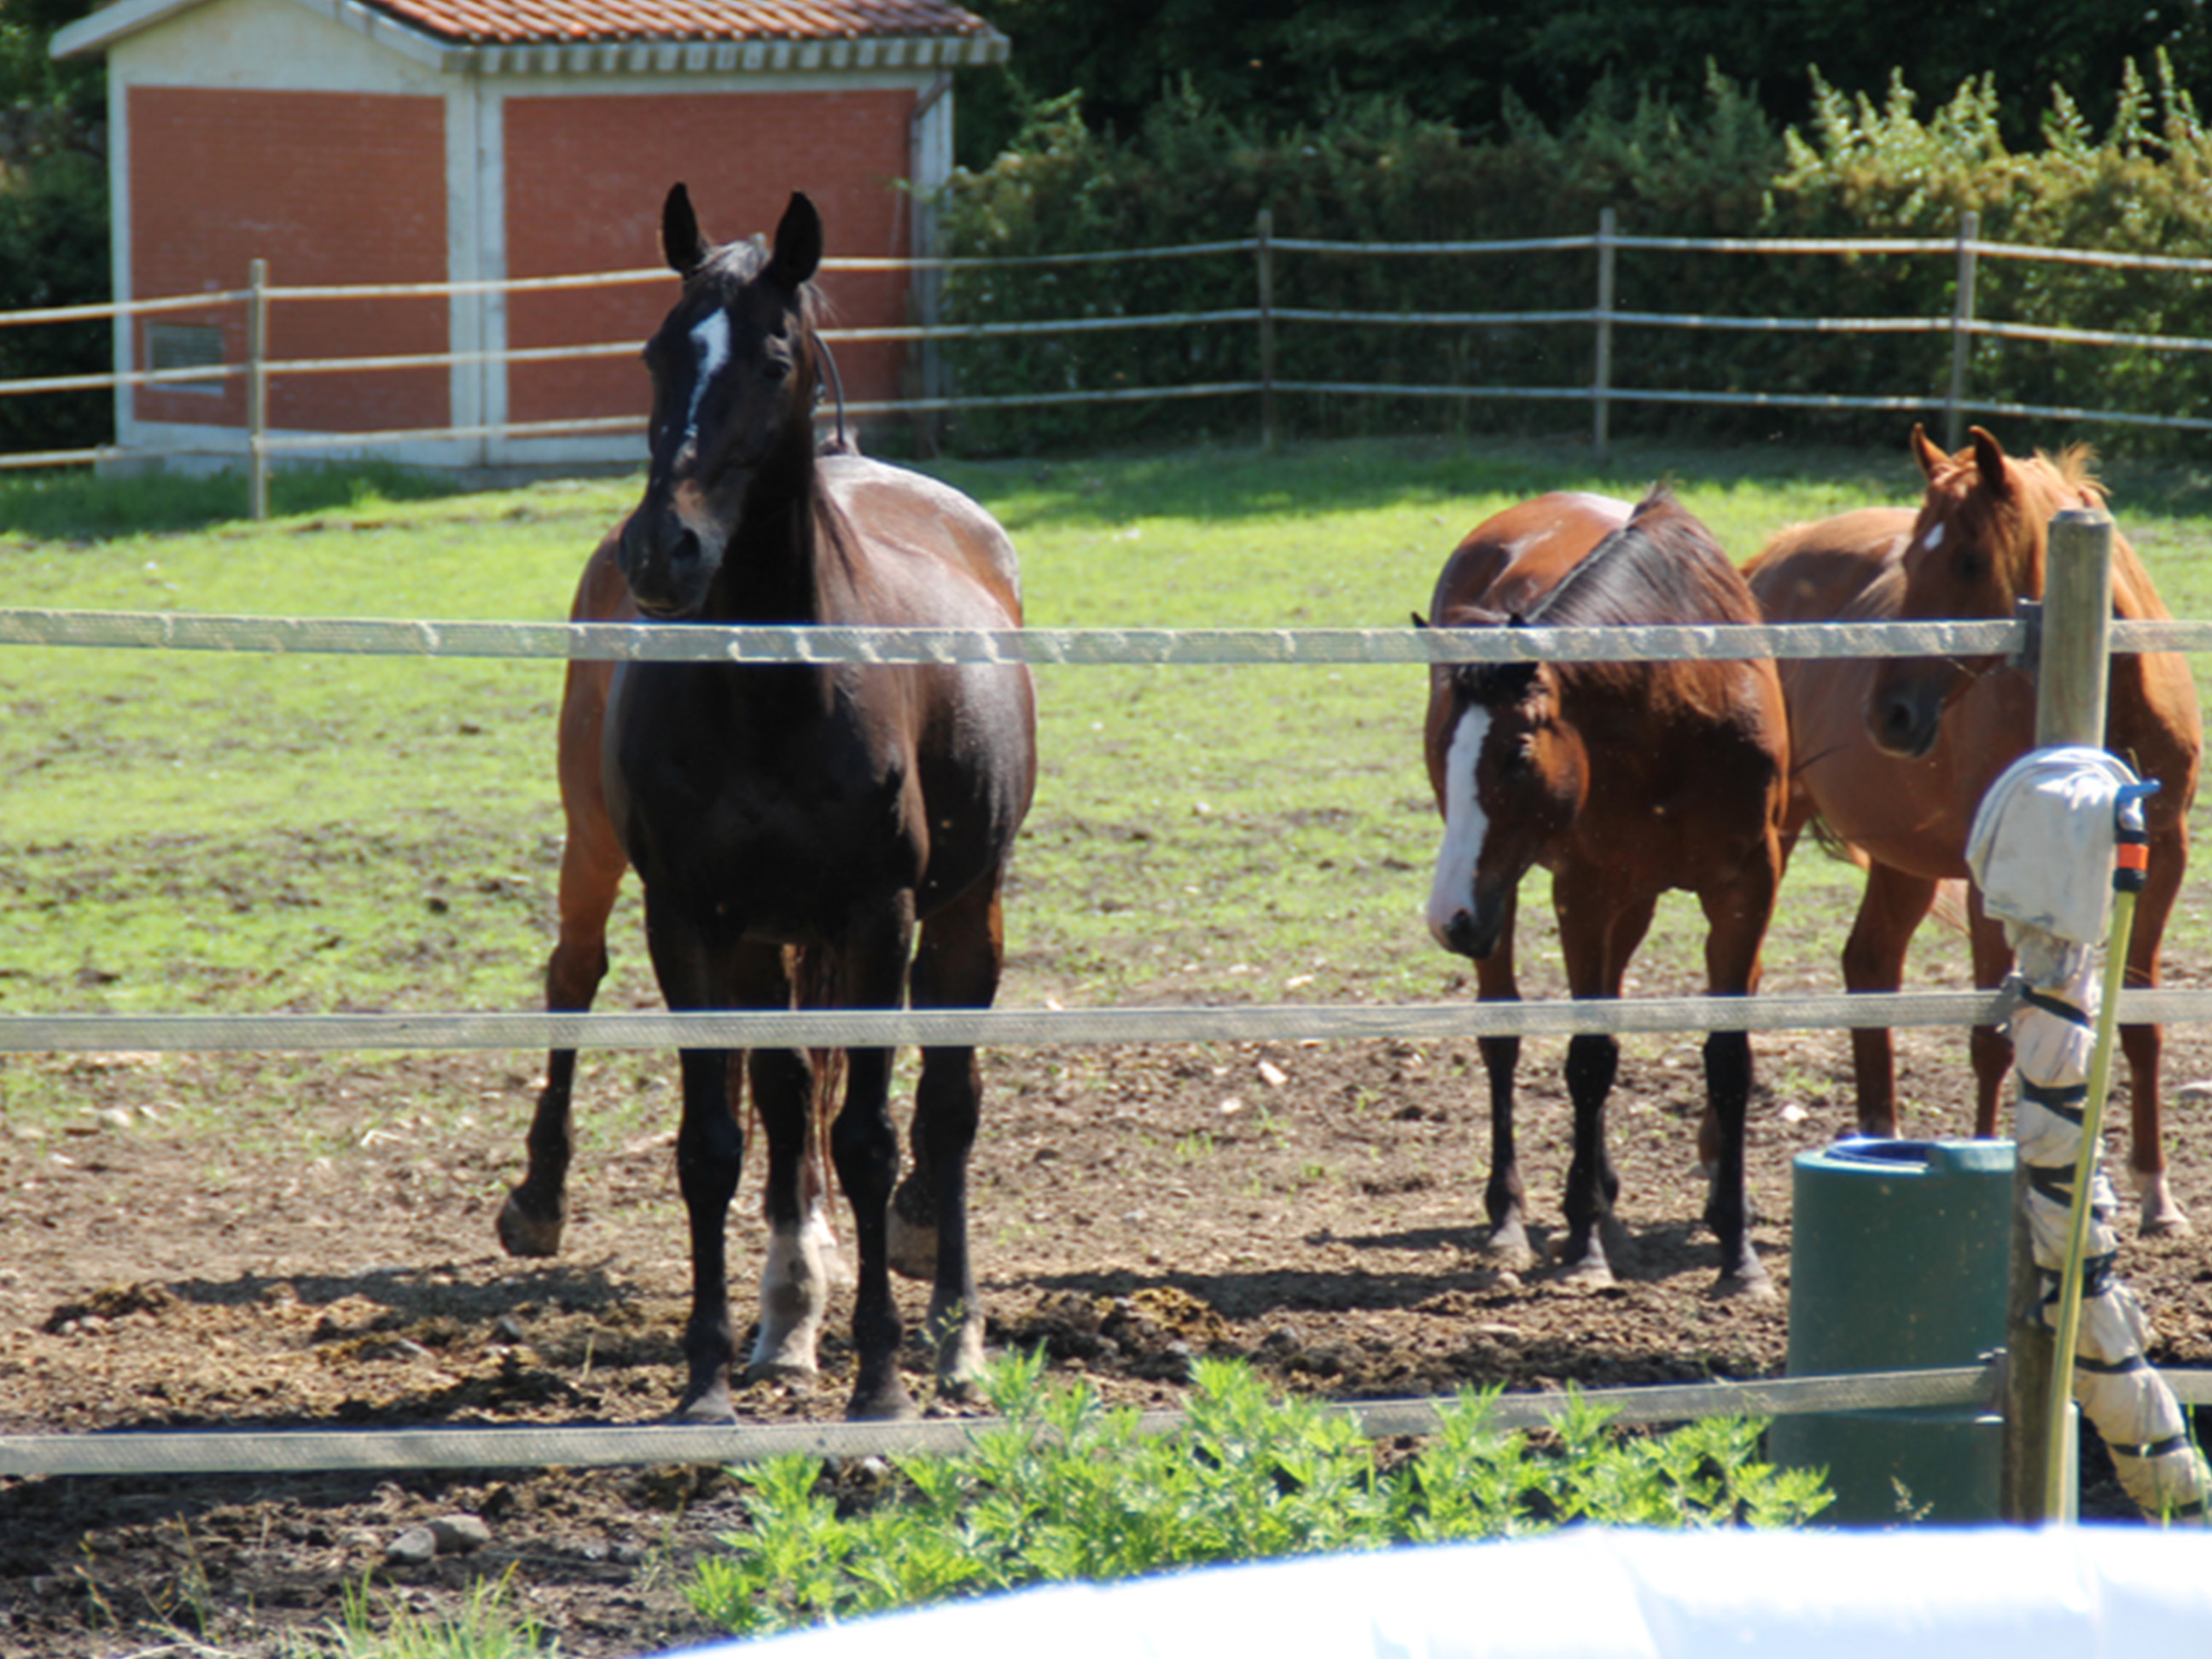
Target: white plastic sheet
[1995, 1592]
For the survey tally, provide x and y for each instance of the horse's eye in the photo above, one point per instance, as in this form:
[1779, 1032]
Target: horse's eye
[1972, 567]
[776, 370]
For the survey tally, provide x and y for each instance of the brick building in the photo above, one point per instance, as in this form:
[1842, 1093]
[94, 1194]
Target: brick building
[414, 141]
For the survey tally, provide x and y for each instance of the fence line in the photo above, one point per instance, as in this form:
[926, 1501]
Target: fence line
[172, 630]
[301, 1451]
[1962, 325]
[147, 1453]
[608, 641]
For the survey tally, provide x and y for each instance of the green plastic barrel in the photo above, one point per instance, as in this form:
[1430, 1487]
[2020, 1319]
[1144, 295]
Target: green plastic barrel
[1898, 1258]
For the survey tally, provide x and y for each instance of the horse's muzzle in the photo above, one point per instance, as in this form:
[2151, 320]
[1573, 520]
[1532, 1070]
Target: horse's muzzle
[1471, 932]
[1904, 719]
[664, 567]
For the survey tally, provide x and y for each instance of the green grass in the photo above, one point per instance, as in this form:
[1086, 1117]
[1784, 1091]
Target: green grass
[194, 831]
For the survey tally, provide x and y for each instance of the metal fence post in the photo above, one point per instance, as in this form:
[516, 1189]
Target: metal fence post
[1962, 329]
[1601, 373]
[2072, 671]
[1264, 232]
[257, 389]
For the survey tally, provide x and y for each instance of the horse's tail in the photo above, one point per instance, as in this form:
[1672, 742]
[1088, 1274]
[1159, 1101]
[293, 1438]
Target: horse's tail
[1950, 906]
[1823, 835]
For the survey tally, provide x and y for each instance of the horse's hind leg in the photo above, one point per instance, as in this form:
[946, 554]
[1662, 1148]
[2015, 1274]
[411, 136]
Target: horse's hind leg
[1890, 910]
[2144, 1044]
[1987, 1046]
[591, 865]
[1736, 916]
[957, 966]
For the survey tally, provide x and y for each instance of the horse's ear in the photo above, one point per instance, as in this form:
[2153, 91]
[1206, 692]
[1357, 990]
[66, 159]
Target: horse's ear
[1925, 452]
[681, 244]
[1990, 462]
[1419, 621]
[797, 243]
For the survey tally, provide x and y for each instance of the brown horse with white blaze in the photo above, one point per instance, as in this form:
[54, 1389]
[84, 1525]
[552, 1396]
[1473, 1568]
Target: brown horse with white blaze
[1624, 781]
[1894, 755]
[832, 835]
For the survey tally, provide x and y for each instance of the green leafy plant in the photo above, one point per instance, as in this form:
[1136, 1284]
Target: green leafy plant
[1063, 1486]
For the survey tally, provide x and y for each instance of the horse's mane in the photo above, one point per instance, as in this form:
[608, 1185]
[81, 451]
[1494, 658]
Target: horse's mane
[1660, 567]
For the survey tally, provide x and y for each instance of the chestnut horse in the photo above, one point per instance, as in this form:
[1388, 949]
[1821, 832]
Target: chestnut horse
[825, 835]
[1623, 779]
[1894, 755]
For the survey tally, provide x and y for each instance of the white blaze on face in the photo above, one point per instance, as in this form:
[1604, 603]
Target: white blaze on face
[1935, 538]
[1465, 822]
[710, 346]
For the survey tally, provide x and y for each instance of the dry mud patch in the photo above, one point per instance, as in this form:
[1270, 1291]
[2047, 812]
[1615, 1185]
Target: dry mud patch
[1313, 1209]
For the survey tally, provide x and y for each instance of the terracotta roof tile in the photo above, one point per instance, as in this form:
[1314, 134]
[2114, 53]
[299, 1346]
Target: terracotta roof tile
[521, 22]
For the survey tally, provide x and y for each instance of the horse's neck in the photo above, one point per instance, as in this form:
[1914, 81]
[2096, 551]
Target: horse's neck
[784, 562]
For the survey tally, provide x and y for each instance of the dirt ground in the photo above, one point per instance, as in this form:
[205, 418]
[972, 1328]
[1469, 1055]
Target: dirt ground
[1313, 1209]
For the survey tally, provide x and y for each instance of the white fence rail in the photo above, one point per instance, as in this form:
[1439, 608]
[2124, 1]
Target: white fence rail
[257, 447]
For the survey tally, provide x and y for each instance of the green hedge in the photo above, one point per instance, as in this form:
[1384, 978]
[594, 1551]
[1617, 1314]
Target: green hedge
[1858, 169]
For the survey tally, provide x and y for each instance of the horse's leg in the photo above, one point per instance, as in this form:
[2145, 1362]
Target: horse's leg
[962, 950]
[591, 865]
[700, 967]
[863, 1146]
[1987, 1047]
[2143, 1044]
[794, 1286]
[1737, 913]
[1503, 1198]
[1601, 924]
[1891, 907]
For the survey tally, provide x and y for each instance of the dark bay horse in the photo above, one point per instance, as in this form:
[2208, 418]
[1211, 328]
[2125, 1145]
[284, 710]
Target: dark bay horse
[1894, 755]
[1623, 779]
[832, 836]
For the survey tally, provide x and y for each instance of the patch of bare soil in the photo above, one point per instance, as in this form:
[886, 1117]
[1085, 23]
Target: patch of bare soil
[1315, 1210]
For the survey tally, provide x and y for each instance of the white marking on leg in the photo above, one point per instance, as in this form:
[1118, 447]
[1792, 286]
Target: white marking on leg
[1466, 824]
[816, 1226]
[794, 1291]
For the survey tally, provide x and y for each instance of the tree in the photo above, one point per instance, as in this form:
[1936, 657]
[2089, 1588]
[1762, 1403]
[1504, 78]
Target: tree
[1288, 62]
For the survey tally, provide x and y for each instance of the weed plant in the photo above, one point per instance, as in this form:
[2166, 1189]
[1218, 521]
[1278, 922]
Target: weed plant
[1063, 1487]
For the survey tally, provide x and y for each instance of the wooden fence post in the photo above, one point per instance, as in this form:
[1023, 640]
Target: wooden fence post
[2071, 672]
[1601, 372]
[257, 389]
[1264, 232]
[1962, 334]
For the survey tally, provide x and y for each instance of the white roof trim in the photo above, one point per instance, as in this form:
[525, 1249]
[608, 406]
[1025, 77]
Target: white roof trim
[96, 33]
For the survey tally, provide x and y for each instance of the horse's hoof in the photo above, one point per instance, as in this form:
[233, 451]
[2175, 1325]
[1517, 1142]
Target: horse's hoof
[910, 1248]
[1588, 1272]
[1745, 1284]
[788, 1372]
[885, 1402]
[1508, 1247]
[521, 1233]
[2161, 1217]
[710, 1409]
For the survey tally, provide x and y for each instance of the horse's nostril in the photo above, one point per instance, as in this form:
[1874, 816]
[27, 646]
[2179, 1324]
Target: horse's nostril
[684, 547]
[1460, 933]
